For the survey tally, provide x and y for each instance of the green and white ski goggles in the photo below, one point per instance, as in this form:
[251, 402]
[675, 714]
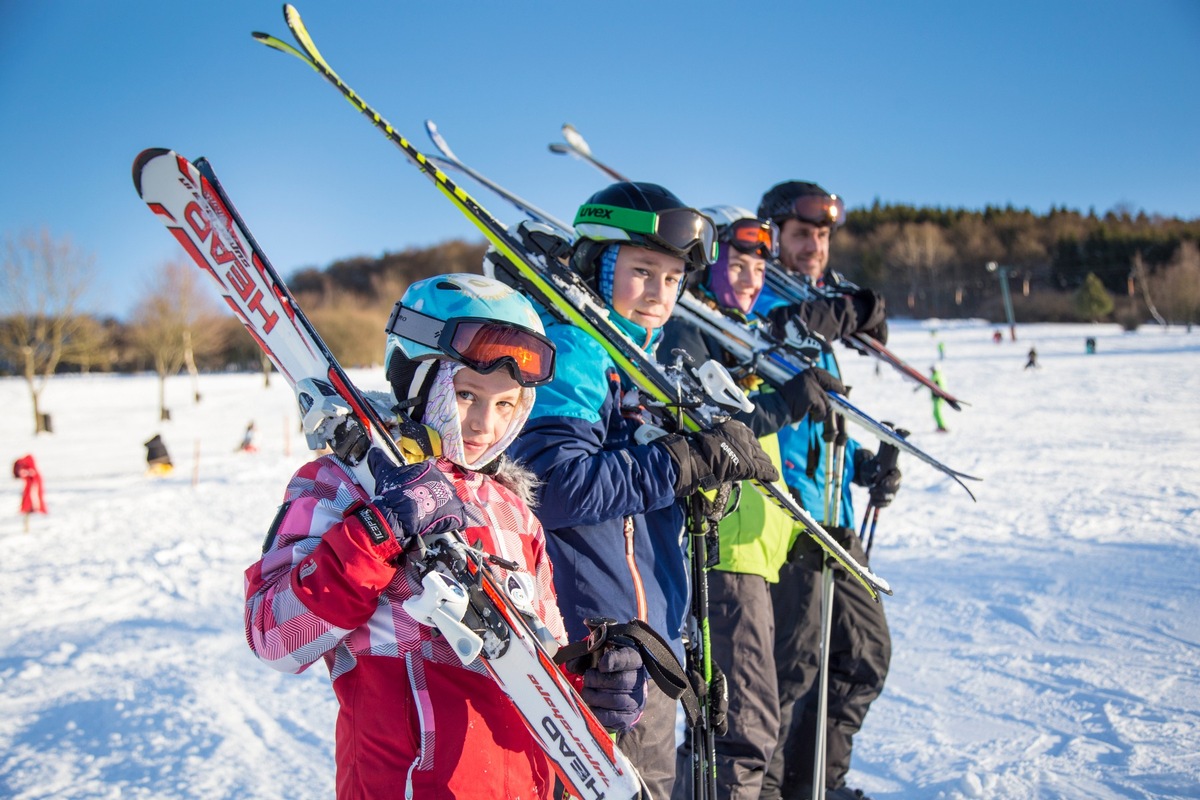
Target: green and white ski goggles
[683, 231]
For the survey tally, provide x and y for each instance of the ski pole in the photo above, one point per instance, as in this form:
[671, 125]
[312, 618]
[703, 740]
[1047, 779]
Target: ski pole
[835, 437]
[704, 763]
[865, 534]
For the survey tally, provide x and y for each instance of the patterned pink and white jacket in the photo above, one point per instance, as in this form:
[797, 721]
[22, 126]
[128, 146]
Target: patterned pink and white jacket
[412, 719]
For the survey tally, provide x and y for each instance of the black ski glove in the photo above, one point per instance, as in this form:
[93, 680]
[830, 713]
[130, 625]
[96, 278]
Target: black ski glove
[805, 394]
[726, 453]
[882, 480]
[810, 555]
[718, 697]
[415, 499]
[870, 315]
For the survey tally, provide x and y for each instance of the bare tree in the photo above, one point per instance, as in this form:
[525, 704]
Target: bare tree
[90, 346]
[922, 250]
[1139, 269]
[42, 282]
[1177, 285]
[174, 320]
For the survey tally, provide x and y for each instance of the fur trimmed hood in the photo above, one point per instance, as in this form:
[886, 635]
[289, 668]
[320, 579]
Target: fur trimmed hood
[518, 479]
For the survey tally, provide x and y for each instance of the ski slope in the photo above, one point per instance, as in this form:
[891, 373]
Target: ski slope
[1046, 637]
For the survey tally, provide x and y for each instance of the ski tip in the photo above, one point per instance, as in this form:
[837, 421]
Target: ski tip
[139, 164]
[967, 489]
[575, 139]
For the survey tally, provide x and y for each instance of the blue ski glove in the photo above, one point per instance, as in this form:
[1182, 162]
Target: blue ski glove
[415, 499]
[615, 688]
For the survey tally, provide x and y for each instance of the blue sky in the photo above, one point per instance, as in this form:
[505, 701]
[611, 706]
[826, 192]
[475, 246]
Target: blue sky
[962, 104]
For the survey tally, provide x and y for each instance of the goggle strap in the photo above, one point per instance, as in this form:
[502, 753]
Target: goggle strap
[415, 326]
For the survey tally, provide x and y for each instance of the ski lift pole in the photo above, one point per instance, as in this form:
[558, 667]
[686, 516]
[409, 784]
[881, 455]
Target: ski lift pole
[1002, 273]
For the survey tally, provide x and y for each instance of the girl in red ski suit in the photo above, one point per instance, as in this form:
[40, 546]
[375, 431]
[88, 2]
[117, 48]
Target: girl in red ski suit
[412, 720]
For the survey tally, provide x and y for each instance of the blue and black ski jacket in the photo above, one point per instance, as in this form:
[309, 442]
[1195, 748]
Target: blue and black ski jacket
[614, 530]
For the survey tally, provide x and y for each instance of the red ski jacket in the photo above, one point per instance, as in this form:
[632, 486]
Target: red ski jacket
[412, 720]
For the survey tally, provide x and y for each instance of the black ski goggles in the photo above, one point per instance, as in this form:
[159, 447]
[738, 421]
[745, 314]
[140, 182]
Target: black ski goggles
[482, 344]
[816, 209]
[683, 230]
[753, 237]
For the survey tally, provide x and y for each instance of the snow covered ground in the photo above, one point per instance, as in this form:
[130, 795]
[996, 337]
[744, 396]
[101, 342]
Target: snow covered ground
[1046, 637]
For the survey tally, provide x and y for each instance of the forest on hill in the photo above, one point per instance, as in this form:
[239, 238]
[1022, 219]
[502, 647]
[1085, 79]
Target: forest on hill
[1060, 266]
[933, 262]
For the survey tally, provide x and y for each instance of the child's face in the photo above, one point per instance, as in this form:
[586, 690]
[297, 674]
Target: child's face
[486, 405]
[745, 277]
[646, 285]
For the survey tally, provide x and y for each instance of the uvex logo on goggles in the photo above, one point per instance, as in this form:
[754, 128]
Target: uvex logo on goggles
[594, 212]
[680, 229]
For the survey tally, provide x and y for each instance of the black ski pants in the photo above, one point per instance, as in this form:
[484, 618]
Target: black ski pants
[650, 745]
[860, 651]
[742, 636]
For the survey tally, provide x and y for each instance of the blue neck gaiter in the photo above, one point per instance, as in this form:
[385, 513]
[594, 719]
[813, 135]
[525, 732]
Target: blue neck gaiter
[643, 338]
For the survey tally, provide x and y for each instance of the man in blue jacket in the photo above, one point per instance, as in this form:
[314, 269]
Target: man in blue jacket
[609, 499]
[860, 645]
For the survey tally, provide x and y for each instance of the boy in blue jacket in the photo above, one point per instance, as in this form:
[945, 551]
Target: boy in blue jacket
[609, 501]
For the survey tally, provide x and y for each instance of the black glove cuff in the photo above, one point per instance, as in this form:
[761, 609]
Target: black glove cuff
[679, 449]
[796, 392]
[866, 467]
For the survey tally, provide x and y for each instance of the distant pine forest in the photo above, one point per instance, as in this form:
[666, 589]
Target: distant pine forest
[1063, 265]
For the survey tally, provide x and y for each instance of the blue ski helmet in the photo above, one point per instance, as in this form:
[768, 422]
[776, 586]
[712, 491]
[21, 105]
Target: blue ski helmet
[459, 295]
[473, 321]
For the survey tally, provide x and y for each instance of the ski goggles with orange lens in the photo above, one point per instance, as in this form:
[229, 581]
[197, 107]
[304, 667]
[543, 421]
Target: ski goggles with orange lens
[754, 237]
[818, 209]
[482, 344]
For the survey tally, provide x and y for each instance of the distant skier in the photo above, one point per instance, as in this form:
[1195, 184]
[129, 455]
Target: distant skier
[1032, 362]
[997, 337]
[158, 461]
[935, 375]
[247, 445]
[33, 500]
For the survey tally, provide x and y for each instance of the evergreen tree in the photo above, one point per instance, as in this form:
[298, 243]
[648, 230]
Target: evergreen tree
[1092, 300]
